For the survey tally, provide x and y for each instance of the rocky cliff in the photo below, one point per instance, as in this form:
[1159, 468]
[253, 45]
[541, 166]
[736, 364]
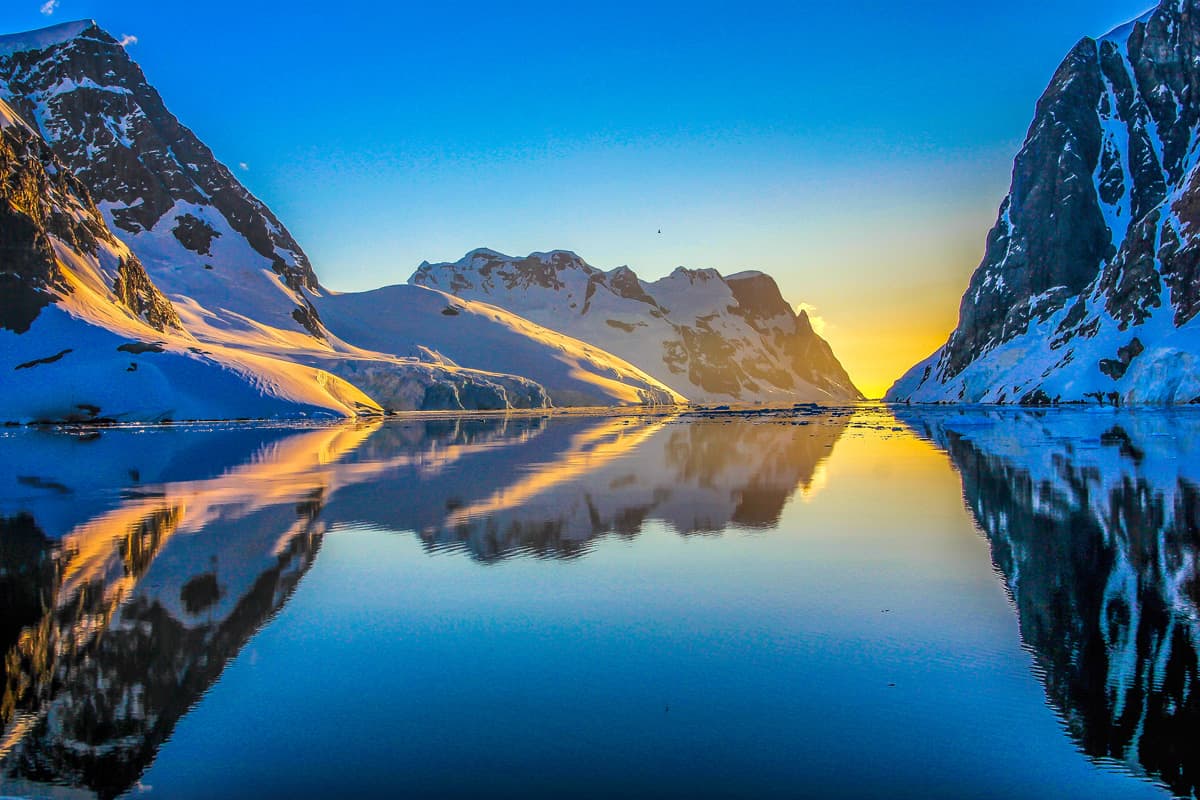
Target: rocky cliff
[1090, 284]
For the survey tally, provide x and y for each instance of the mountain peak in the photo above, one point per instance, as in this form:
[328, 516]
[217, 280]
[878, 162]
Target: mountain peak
[191, 223]
[538, 262]
[483, 252]
[1120, 34]
[551, 254]
[42, 38]
[701, 275]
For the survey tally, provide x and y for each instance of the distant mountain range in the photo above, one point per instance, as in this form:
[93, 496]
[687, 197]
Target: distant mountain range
[1090, 285]
[200, 303]
[708, 337]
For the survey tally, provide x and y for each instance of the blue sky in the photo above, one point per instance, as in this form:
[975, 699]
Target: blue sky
[857, 152]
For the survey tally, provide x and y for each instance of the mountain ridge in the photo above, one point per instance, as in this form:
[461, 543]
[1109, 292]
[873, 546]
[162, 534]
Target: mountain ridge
[41, 38]
[707, 337]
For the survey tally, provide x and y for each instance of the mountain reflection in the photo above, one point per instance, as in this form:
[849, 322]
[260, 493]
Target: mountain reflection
[1094, 521]
[134, 564]
[555, 494]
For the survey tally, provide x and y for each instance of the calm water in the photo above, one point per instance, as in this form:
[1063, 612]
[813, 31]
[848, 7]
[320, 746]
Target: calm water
[852, 604]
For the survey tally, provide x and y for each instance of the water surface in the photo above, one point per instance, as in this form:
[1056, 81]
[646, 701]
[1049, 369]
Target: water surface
[845, 604]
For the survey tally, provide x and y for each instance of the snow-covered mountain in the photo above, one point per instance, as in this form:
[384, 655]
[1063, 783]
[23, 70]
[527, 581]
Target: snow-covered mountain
[86, 335]
[1090, 285]
[1092, 519]
[707, 337]
[216, 250]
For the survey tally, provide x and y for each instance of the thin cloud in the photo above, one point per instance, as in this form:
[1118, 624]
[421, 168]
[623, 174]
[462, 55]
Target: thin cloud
[49, 7]
[126, 40]
[243, 166]
[818, 322]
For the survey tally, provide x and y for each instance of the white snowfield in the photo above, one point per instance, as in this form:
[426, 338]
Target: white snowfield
[449, 331]
[232, 289]
[70, 365]
[1166, 372]
[92, 379]
[685, 330]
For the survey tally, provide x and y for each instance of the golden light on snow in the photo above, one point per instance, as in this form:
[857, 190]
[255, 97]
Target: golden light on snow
[587, 452]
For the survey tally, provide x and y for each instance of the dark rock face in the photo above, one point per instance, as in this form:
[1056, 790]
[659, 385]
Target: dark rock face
[1048, 234]
[195, 234]
[1105, 199]
[30, 276]
[40, 199]
[625, 283]
[758, 296]
[137, 293]
[111, 128]
[1116, 367]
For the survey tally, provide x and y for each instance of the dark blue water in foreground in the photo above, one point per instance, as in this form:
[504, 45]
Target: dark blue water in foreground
[941, 605]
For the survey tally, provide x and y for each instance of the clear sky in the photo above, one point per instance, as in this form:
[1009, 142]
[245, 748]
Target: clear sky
[856, 151]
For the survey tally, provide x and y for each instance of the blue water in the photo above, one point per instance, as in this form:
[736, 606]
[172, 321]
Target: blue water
[945, 604]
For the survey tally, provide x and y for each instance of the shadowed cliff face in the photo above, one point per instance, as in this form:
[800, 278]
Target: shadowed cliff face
[1095, 528]
[135, 564]
[41, 202]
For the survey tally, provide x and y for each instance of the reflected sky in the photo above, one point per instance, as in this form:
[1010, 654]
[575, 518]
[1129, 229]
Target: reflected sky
[690, 605]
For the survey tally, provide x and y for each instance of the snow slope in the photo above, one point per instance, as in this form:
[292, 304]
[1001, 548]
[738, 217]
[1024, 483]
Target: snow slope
[707, 337]
[441, 328]
[42, 38]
